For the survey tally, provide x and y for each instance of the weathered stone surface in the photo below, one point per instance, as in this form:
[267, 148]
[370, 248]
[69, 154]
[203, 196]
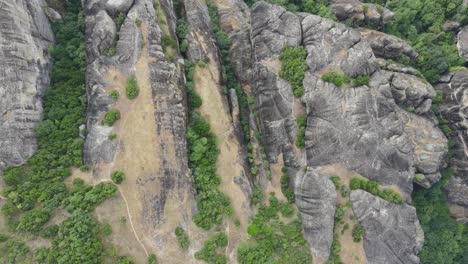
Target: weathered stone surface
[359, 128]
[316, 198]
[234, 18]
[25, 37]
[361, 12]
[392, 232]
[273, 29]
[455, 110]
[429, 144]
[200, 26]
[385, 45]
[450, 25]
[112, 6]
[462, 43]
[411, 92]
[334, 46]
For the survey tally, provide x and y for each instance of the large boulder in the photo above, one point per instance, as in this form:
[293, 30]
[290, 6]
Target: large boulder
[385, 45]
[368, 13]
[392, 232]
[316, 199]
[25, 38]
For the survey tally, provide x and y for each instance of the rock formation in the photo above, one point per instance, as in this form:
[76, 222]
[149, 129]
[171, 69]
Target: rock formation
[392, 232]
[365, 128]
[462, 43]
[25, 37]
[454, 87]
[316, 198]
[368, 13]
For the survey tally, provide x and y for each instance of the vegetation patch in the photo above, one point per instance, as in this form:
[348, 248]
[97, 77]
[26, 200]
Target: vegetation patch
[212, 250]
[341, 79]
[301, 122]
[287, 191]
[118, 177]
[111, 117]
[374, 188]
[358, 233]
[273, 240]
[131, 90]
[293, 68]
[182, 237]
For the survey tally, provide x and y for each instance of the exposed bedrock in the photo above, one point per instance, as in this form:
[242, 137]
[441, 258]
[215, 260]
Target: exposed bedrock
[385, 45]
[455, 110]
[25, 37]
[368, 13]
[273, 29]
[101, 35]
[316, 199]
[462, 43]
[234, 18]
[392, 232]
[382, 130]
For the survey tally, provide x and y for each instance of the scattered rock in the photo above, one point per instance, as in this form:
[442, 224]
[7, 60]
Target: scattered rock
[361, 12]
[450, 25]
[462, 43]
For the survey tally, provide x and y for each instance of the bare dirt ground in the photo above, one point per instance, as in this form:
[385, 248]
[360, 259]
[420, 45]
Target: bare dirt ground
[229, 165]
[139, 157]
[351, 252]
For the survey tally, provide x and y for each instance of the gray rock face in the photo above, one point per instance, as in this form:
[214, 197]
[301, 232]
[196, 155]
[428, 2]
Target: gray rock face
[316, 199]
[392, 232]
[199, 23]
[334, 46]
[362, 128]
[462, 43]
[410, 91]
[234, 18]
[112, 6]
[361, 12]
[358, 127]
[25, 36]
[273, 29]
[454, 109]
[385, 45]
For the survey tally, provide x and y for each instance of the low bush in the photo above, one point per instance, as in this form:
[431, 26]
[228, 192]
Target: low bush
[358, 233]
[374, 188]
[293, 68]
[152, 259]
[209, 250]
[131, 90]
[301, 122]
[118, 177]
[111, 117]
[182, 237]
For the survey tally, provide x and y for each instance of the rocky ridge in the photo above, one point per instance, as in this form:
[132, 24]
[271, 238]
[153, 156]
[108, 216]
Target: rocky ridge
[25, 37]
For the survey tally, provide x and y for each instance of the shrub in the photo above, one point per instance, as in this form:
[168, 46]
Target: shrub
[358, 233]
[114, 95]
[33, 220]
[125, 260]
[361, 80]
[337, 78]
[168, 41]
[208, 251]
[182, 237]
[152, 259]
[301, 126]
[131, 90]
[120, 20]
[112, 136]
[287, 191]
[336, 181]
[138, 22]
[107, 229]
[118, 177]
[374, 188]
[293, 68]
[110, 52]
[3, 238]
[111, 117]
